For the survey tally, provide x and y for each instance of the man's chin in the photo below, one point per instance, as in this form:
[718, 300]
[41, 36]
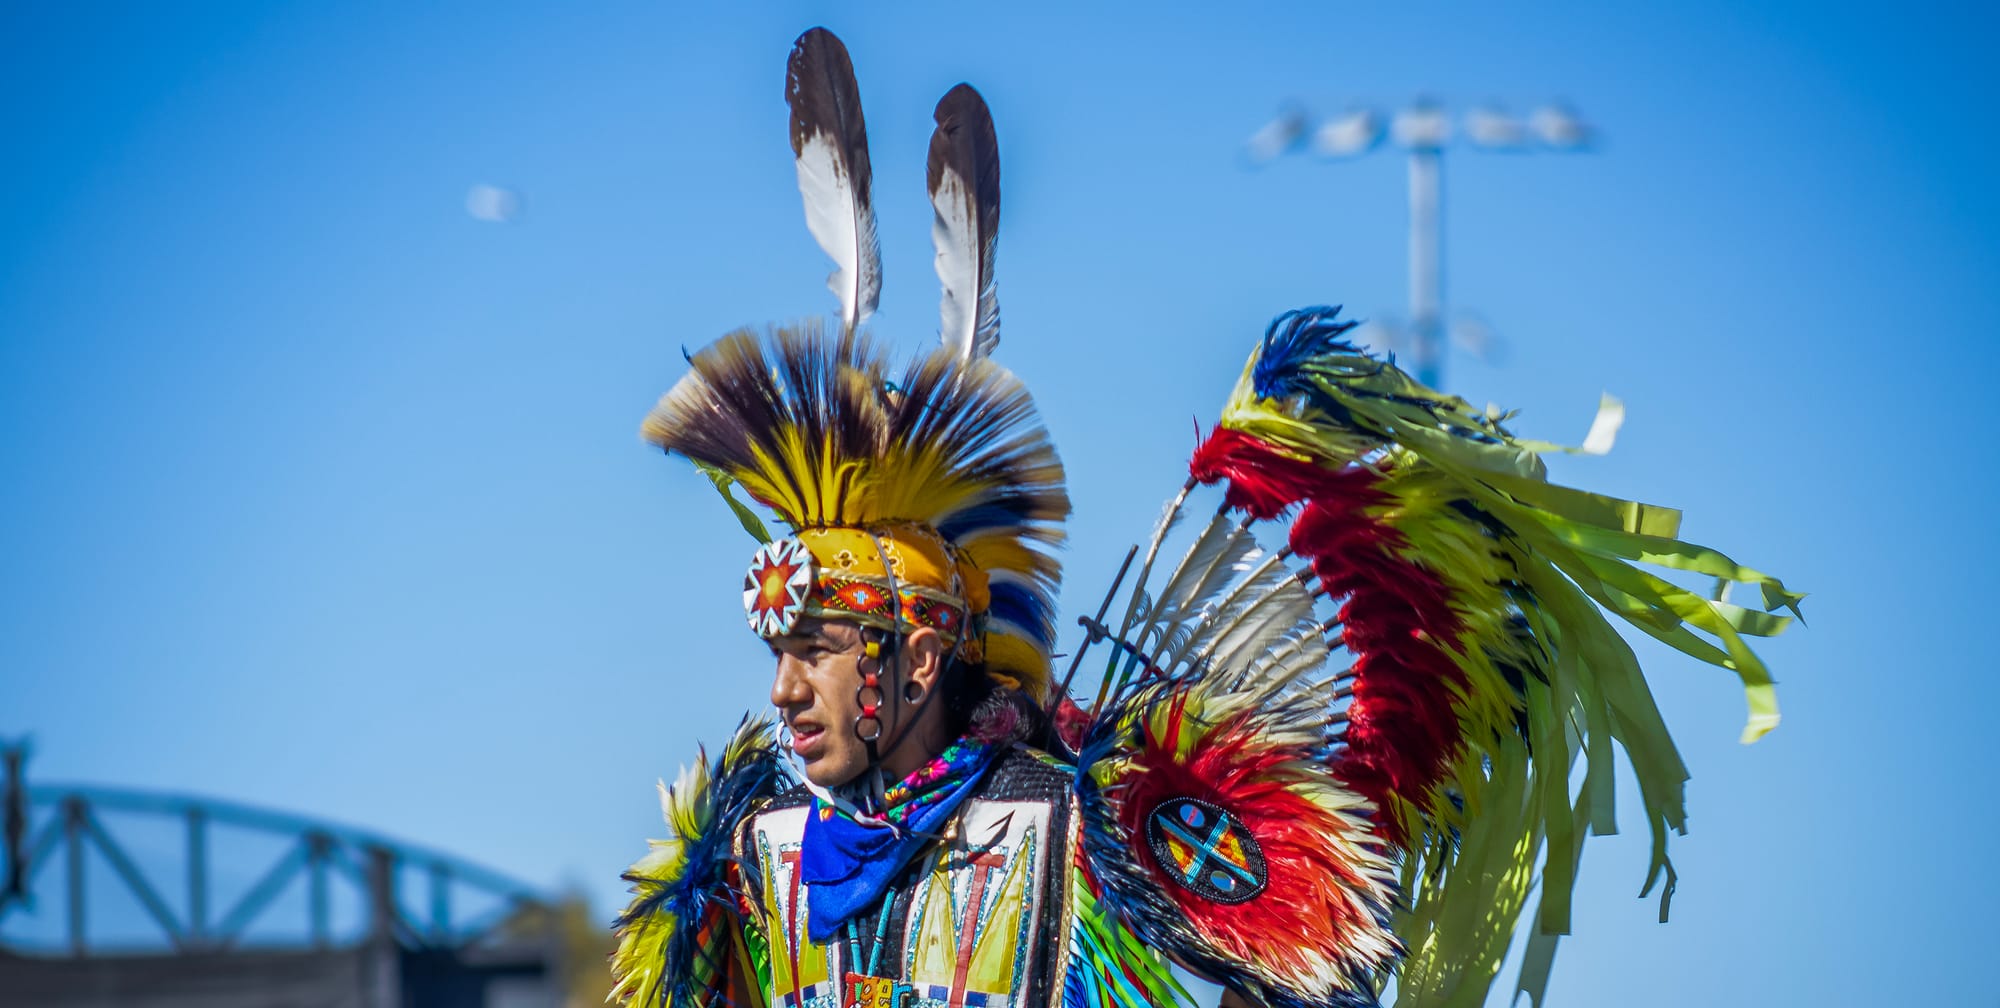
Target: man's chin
[828, 774]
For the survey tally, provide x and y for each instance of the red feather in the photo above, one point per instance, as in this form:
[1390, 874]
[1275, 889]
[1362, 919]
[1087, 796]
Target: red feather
[1396, 616]
[1233, 767]
[1264, 482]
[1071, 722]
[1403, 726]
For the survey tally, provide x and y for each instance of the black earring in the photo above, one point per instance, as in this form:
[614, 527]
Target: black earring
[913, 692]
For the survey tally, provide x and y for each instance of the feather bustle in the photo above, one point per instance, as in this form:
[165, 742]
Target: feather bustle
[1484, 668]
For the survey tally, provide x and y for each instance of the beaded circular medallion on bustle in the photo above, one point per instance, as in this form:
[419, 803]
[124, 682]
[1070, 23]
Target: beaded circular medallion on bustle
[1205, 849]
[776, 586]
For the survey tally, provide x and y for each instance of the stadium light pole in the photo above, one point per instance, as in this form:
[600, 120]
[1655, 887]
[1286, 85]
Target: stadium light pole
[1422, 130]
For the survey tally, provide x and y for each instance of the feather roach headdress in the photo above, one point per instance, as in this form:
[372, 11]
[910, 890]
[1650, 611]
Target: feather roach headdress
[925, 496]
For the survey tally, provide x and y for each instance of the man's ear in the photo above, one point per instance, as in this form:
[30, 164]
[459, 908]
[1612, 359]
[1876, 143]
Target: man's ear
[926, 657]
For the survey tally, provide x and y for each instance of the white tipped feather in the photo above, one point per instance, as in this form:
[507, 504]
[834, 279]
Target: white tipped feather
[964, 176]
[1286, 610]
[1141, 602]
[831, 142]
[1299, 655]
[1210, 559]
[1230, 606]
[844, 227]
[1225, 606]
[1152, 623]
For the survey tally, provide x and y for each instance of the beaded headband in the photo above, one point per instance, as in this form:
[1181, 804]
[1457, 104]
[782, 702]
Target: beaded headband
[786, 583]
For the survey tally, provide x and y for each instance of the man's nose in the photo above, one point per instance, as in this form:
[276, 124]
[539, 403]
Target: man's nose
[788, 683]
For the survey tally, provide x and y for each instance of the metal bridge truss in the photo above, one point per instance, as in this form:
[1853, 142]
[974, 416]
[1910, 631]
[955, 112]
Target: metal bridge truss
[46, 826]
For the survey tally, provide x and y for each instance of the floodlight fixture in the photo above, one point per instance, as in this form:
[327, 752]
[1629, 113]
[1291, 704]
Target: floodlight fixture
[1347, 135]
[1559, 127]
[1421, 131]
[1277, 137]
[1424, 126]
[1490, 127]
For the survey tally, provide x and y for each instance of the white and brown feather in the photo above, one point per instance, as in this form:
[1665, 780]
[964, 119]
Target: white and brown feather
[830, 140]
[964, 175]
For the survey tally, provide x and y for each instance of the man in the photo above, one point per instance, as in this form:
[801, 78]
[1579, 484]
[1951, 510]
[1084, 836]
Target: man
[924, 859]
[934, 853]
[1225, 804]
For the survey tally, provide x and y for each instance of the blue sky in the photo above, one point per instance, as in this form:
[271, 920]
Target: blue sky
[323, 495]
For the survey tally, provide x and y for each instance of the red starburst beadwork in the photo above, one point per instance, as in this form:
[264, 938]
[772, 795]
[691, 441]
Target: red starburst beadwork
[775, 589]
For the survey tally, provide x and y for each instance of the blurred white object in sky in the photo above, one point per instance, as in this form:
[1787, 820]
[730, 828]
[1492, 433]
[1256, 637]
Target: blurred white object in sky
[1348, 134]
[1379, 336]
[1470, 333]
[1423, 126]
[1473, 335]
[492, 203]
[1560, 128]
[1277, 136]
[1494, 129]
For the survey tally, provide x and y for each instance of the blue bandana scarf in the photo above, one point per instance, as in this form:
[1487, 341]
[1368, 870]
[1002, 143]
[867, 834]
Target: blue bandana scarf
[849, 862]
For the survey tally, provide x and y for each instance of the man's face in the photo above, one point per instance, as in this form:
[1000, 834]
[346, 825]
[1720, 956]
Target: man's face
[814, 691]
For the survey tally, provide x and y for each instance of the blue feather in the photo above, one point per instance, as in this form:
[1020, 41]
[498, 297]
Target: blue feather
[1005, 512]
[1292, 341]
[1025, 608]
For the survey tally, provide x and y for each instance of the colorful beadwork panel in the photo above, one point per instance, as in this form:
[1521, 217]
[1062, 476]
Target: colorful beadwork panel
[801, 976]
[973, 924]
